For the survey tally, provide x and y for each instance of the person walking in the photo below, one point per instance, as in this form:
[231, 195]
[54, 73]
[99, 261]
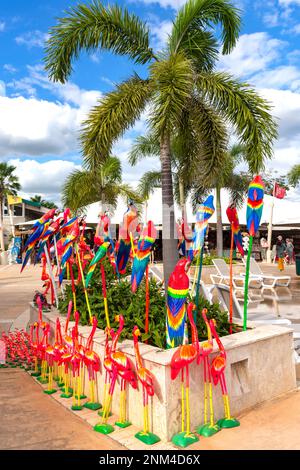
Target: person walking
[280, 250]
[290, 250]
[264, 246]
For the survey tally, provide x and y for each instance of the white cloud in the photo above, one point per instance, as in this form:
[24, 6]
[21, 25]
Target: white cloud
[9, 68]
[160, 31]
[254, 52]
[2, 88]
[32, 39]
[285, 76]
[271, 19]
[296, 29]
[2, 26]
[43, 178]
[288, 2]
[175, 4]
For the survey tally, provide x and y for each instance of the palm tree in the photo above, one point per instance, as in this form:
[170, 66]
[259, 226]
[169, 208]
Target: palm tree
[42, 202]
[104, 184]
[293, 176]
[182, 89]
[9, 186]
[186, 179]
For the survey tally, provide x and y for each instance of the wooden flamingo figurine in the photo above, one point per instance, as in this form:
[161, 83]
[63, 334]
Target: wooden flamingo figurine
[92, 363]
[42, 353]
[217, 370]
[209, 428]
[50, 355]
[180, 362]
[34, 347]
[121, 367]
[146, 378]
[108, 365]
[75, 363]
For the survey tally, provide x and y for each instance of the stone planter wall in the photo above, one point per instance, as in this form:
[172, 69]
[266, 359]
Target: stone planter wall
[259, 367]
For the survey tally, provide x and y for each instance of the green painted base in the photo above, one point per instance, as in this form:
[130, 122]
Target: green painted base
[70, 390]
[147, 437]
[60, 384]
[100, 413]
[66, 395]
[123, 424]
[56, 379]
[35, 374]
[50, 392]
[92, 406]
[82, 397]
[42, 380]
[104, 428]
[207, 430]
[76, 407]
[228, 423]
[182, 439]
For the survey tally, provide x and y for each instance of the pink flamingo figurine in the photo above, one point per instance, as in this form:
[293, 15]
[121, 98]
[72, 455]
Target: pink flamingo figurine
[209, 428]
[147, 380]
[217, 370]
[92, 363]
[180, 362]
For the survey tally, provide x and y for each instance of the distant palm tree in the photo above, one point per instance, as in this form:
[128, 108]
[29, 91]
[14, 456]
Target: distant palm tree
[182, 89]
[42, 202]
[103, 184]
[9, 186]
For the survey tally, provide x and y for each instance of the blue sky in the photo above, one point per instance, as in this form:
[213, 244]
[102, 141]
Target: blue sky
[39, 120]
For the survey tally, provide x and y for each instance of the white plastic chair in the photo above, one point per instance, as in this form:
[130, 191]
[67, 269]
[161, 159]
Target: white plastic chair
[269, 281]
[223, 276]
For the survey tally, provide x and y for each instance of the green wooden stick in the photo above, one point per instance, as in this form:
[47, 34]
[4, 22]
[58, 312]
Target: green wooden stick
[247, 283]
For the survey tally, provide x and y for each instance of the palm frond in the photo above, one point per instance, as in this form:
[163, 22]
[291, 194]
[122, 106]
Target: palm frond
[212, 141]
[246, 111]
[143, 147]
[111, 117]
[237, 186]
[172, 80]
[293, 176]
[198, 15]
[94, 26]
[148, 182]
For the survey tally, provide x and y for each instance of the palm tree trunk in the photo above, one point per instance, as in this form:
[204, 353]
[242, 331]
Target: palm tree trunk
[181, 196]
[1, 225]
[169, 238]
[219, 222]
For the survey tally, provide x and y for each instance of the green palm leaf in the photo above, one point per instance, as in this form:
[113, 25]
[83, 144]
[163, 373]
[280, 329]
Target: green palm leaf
[91, 27]
[112, 116]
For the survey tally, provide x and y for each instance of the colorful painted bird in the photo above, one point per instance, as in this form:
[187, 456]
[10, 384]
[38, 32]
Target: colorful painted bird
[142, 255]
[128, 227]
[98, 258]
[33, 239]
[255, 204]
[234, 222]
[68, 247]
[218, 366]
[52, 229]
[146, 378]
[203, 214]
[178, 287]
[180, 362]
[209, 428]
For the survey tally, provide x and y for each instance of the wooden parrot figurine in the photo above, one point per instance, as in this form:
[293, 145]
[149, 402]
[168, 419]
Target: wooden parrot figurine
[234, 222]
[39, 229]
[255, 204]
[99, 256]
[130, 220]
[68, 247]
[52, 230]
[142, 255]
[204, 212]
[178, 287]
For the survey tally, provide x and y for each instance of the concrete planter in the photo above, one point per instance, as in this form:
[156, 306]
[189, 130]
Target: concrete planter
[260, 367]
